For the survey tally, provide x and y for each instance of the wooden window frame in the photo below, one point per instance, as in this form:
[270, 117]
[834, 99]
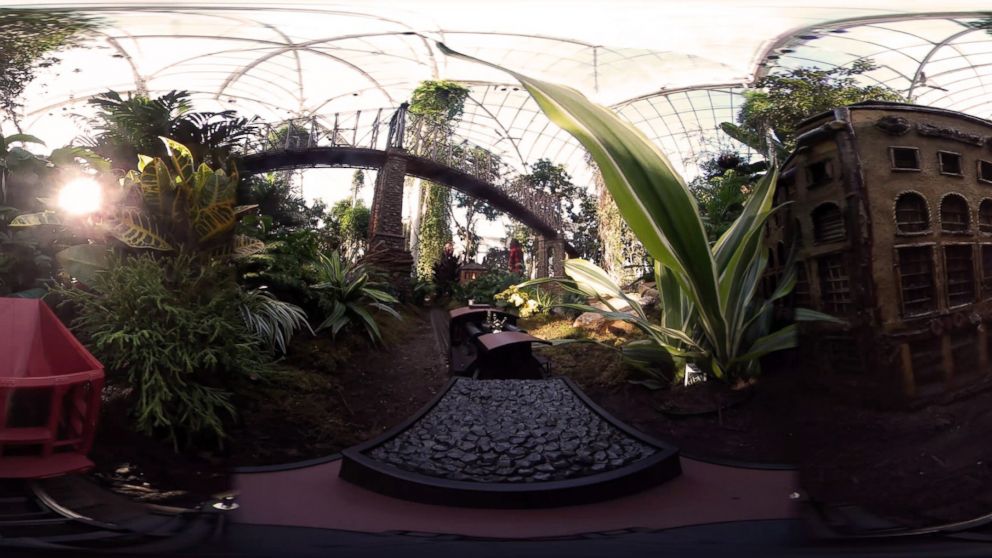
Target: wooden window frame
[978, 171]
[946, 270]
[813, 220]
[828, 167]
[899, 280]
[892, 158]
[940, 163]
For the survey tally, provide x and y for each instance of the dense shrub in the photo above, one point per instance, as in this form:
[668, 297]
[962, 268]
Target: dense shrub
[169, 329]
[348, 293]
[484, 289]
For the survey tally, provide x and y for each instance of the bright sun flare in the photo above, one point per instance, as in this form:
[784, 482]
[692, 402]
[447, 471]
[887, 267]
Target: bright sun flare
[81, 196]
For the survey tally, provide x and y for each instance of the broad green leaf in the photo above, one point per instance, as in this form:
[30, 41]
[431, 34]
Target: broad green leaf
[69, 154]
[84, 261]
[22, 138]
[143, 161]
[213, 195]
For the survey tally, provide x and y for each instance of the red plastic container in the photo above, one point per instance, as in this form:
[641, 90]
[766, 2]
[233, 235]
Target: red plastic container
[49, 393]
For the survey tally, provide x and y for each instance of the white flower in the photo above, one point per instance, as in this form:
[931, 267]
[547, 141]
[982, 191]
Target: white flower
[532, 304]
[516, 299]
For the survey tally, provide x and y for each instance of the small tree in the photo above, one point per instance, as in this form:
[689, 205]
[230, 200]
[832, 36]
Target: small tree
[778, 102]
[578, 208]
[29, 40]
[723, 188]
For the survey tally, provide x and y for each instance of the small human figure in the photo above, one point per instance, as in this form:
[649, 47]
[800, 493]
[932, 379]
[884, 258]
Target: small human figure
[446, 270]
[516, 257]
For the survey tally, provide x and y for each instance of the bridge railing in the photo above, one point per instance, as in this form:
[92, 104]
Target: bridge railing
[397, 128]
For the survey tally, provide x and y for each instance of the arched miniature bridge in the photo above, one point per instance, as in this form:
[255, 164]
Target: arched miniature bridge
[397, 144]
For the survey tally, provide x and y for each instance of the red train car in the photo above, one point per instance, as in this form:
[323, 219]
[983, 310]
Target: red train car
[49, 393]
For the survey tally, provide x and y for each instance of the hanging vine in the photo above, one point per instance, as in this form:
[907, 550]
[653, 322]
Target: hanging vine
[434, 231]
[440, 103]
[623, 255]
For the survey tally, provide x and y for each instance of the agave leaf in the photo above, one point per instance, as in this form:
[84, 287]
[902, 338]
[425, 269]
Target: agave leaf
[337, 312]
[387, 309]
[807, 315]
[785, 338]
[43, 218]
[586, 273]
[652, 198]
[370, 326]
[135, 228]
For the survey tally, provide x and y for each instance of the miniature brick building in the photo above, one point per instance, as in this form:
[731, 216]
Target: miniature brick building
[891, 205]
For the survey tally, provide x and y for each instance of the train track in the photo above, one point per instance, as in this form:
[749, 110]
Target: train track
[75, 515]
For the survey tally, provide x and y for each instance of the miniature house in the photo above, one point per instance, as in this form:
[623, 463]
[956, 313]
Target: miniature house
[470, 271]
[891, 207]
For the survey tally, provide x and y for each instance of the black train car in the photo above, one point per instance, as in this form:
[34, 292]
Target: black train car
[892, 207]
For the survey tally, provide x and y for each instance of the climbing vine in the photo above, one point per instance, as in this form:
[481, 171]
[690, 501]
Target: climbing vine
[440, 102]
[623, 256]
[434, 231]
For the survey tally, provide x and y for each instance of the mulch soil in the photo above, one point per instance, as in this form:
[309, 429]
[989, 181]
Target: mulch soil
[148, 469]
[706, 420]
[917, 468]
[329, 395]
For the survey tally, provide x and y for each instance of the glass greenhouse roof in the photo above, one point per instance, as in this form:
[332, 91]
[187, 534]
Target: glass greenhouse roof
[674, 69]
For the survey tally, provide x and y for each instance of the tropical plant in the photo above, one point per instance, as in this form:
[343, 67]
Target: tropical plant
[577, 207]
[348, 222]
[169, 331]
[346, 293]
[286, 266]
[438, 101]
[127, 127]
[711, 309]
[723, 189]
[171, 205]
[271, 319]
[484, 289]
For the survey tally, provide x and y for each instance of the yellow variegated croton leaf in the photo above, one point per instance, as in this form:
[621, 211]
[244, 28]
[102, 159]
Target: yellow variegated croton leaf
[36, 219]
[135, 228]
[245, 246]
